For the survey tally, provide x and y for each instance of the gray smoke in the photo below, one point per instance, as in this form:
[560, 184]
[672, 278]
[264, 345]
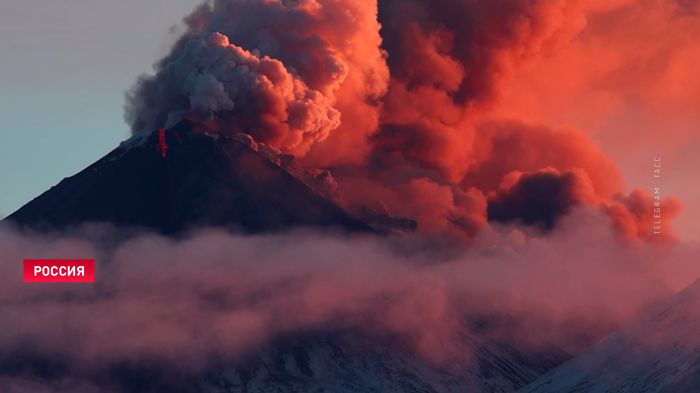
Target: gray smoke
[210, 79]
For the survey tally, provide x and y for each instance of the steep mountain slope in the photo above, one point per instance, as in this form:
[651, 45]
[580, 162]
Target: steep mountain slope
[182, 179]
[351, 362]
[658, 353]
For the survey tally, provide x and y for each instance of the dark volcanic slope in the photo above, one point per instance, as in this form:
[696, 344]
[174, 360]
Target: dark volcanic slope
[657, 353]
[202, 182]
[346, 362]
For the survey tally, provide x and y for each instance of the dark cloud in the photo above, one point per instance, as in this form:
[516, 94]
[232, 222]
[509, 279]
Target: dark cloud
[539, 199]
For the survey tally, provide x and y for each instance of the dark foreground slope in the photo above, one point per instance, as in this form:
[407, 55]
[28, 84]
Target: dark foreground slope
[317, 361]
[658, 353]
[353, 363]
[202, 181]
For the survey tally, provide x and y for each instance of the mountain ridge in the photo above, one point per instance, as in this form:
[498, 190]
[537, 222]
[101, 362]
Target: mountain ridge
[195, 181]
[658, 352]
[182, 179]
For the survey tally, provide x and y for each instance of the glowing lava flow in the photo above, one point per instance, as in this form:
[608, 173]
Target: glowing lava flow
[162, 144]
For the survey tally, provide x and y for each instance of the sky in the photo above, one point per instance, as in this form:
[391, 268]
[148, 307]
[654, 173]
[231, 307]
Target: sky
[64, 67]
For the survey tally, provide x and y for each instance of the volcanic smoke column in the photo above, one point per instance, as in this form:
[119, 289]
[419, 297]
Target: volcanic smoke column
[397, 100]
[212, 79]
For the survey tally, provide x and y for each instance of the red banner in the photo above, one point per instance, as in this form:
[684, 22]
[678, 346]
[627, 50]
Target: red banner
[59, 270]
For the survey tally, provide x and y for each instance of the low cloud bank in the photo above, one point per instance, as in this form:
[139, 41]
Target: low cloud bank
[222, 296]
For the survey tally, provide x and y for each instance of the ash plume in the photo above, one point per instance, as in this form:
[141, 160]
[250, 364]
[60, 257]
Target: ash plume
[538, 199]
[399, 101]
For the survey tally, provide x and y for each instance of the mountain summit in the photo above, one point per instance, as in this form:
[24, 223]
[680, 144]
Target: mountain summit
[176, 180]
[182, 178]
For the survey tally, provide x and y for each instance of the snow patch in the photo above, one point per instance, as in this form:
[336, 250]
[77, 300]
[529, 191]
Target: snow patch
[137, 139]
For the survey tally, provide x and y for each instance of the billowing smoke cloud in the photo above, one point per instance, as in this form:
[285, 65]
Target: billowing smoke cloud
[400, 101]
[271, 69]
[255, 95]
[628, 79]
[539, 198]
[210, 300]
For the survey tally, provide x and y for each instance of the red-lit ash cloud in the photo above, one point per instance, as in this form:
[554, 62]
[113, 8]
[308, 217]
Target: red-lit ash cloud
[403, 101]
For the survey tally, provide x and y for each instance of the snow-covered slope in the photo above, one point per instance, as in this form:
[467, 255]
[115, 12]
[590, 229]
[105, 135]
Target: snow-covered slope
[349, 362]
[658, 353]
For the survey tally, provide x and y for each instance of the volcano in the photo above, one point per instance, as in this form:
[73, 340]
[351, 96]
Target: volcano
[184, 178]
[181, 179]
[659, 352]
